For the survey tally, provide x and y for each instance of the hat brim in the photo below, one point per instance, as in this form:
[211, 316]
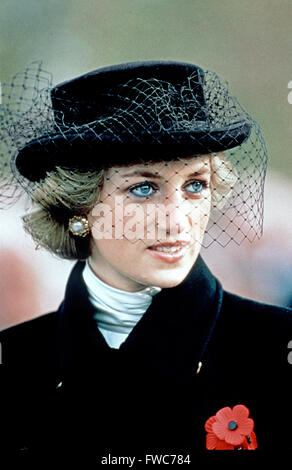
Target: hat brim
[87, 148]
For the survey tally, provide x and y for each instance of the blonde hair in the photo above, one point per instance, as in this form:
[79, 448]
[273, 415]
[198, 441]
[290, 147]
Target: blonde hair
[65, 193]
[61, 195]
[223, 179]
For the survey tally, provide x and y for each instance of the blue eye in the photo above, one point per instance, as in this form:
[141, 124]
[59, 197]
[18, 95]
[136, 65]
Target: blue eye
[143, 190]
[196, 186]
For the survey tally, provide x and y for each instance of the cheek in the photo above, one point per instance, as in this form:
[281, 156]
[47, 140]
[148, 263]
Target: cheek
[109, 248]
[130, 224]
[117, 251]
[199, 218]
[204, 218]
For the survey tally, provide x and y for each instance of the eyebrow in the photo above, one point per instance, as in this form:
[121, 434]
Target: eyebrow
[150, 174]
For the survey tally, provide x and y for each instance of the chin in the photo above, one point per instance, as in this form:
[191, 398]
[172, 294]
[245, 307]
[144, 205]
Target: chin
[167, 280]
[169, 284]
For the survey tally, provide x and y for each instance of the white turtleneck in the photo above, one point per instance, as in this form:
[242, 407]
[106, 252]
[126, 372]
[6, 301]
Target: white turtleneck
[117, 311]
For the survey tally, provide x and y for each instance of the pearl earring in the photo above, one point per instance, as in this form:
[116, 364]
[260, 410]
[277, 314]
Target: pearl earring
[79, 226]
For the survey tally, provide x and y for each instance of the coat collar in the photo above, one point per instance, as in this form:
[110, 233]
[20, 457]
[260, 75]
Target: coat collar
[171, 337]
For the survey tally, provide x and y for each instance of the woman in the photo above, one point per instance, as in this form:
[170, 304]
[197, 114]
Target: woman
[132, 168]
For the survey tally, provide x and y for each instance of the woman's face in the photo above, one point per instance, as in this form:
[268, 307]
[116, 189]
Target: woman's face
[148, 227]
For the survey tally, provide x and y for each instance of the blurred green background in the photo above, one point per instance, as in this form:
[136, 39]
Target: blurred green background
[247, 42]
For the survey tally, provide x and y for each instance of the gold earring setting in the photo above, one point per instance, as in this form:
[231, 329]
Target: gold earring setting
[79, 226]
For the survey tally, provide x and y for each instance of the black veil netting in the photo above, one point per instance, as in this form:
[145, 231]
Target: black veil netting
[141, 120]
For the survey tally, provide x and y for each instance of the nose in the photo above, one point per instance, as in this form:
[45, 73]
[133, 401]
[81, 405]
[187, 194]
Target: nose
[178, 214]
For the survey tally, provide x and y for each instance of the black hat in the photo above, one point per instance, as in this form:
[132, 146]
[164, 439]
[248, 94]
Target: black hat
[119, 114]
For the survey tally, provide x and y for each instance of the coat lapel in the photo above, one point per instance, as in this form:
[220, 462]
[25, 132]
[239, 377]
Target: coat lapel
[170, 339]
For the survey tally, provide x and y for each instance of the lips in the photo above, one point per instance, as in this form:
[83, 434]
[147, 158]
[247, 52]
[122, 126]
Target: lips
[169, 245]
[169, 252]
[166, 249]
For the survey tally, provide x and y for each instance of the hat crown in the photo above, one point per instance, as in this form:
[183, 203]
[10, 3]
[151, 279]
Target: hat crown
[105, 91]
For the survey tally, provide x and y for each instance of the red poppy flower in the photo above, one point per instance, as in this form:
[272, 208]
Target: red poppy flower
[250, 442]
[230, 429]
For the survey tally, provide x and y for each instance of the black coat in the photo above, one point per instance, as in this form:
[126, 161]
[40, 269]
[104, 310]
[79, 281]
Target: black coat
[66, 392]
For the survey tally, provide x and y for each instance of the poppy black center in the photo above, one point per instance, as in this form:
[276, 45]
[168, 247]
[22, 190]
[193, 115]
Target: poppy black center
[232, 425]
